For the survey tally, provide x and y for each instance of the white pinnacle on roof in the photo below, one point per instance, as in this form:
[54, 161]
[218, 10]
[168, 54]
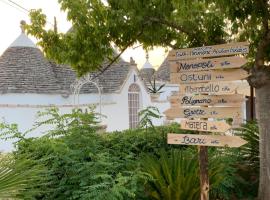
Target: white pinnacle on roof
[147, 64]
[23, 40]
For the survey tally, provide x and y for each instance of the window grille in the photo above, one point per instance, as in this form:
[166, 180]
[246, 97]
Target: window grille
[133, 105]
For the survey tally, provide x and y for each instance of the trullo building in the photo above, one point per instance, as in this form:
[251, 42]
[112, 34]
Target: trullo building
[30, 83]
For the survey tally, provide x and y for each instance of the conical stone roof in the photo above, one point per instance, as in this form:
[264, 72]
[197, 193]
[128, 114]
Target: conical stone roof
[23, 69]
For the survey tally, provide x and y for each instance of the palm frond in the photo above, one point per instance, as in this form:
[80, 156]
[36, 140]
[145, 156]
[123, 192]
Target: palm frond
[15, 175]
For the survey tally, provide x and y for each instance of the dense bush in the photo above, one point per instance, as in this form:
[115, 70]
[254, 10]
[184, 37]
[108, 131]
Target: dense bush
[248, 162]
[85, 165]
[132, 164]
[91, 166]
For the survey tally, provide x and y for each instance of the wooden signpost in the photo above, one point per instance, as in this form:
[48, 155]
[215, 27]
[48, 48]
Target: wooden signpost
[207, 64]
[209, 51]
[208, 76]
[205, 126]
[205, 140]
[207, 100]
[216, 88]
[201, 112]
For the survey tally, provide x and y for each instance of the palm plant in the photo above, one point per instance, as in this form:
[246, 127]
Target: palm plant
[250, 151]
[175, 175]
[154, 89]
[248, 165]
[15, 176]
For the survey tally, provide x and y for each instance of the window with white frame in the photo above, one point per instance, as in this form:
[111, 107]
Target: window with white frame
[133, 105]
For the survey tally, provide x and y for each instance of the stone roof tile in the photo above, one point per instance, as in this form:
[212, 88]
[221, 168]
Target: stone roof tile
[110, 81]
[25, 70]
[163, 72]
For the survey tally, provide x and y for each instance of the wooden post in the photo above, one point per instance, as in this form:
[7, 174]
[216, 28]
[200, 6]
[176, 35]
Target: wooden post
[204, 178]
[251, 102]
[203, 166]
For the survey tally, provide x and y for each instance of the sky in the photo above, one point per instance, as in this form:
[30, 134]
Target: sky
[11, 15]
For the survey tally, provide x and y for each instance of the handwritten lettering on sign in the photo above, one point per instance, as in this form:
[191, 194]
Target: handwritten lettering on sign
[208, 76]
[207, 126]
[205, 140]
[207, 100]
[210, 88]
[207, 64]
[211, 112]
[209, 51]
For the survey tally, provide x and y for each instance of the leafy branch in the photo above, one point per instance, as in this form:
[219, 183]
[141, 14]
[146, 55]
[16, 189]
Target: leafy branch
[147, 115]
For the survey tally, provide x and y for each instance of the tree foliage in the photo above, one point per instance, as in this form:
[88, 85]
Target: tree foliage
[248, 20]
[97, 25]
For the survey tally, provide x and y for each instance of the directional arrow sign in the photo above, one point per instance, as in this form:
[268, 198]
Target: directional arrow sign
[209, 51]
[210, 88]
[207, 126]
[208, 76]
[205, 140]
[207, 100]
[201, 112]
[207, 64]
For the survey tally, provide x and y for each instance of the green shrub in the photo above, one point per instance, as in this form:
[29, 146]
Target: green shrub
[222, 173]
[174, 173]
[81, 164]
[250, 151]
[244, 166]
[248, 162]
[84, 165]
